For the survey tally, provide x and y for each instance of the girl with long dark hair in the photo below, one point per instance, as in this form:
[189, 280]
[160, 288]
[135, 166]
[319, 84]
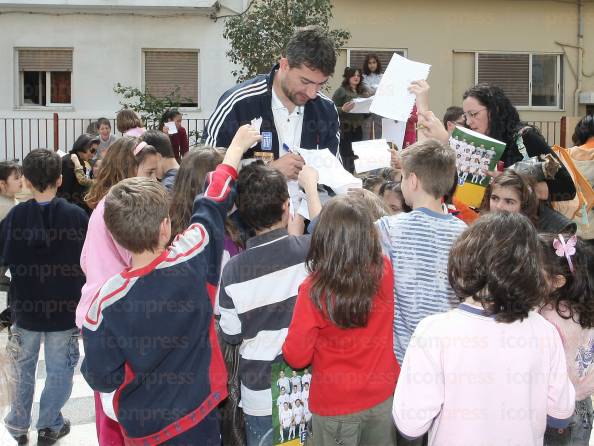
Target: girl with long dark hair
[342, 326]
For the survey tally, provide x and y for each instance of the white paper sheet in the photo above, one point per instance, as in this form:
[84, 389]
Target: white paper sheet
[362, 105]
[256, 124]
[303, 207]
[373, 154]
[330, 171]
[295, 196]
[392, 99]
[172, 129]
[393, 131]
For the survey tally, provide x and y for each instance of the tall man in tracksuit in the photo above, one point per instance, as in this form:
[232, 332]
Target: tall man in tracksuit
[293, 111]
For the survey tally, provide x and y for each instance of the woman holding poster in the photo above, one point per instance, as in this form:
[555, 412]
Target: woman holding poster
[489, 111]
[351, 124]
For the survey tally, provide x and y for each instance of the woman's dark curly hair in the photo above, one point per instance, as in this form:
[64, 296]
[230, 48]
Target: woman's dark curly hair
[346, 77]
[496, 261]
[575, 299]
[584, 130]
[504, 120]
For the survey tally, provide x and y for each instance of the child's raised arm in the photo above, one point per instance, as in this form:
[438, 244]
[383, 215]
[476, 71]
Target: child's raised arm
[308, 180]
[244, 138]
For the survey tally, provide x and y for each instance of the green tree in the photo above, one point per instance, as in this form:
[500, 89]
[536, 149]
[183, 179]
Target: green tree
[258, 36]
[151, 108]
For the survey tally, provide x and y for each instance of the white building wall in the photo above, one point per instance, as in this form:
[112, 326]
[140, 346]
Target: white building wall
[108, 50]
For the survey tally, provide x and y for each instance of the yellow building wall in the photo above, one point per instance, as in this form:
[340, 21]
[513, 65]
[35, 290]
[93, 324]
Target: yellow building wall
[446, 34]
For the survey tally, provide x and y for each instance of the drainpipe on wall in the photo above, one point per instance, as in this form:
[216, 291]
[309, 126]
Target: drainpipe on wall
[580, 41]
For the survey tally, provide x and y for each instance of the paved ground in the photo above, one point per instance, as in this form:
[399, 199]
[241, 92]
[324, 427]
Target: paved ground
[80, 409]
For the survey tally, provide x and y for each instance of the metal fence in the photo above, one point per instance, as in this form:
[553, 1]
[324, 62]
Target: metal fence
[18, 136]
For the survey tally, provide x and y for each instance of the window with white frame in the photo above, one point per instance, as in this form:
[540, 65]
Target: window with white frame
[528, 79]
[45, 77]
[169, 71]
[356, 57]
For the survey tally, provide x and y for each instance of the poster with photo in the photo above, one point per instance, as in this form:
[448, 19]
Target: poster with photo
[476, 154]
[291, 418]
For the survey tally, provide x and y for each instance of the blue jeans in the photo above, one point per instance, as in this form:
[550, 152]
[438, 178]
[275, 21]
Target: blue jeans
[258, 430]
[578, 431]
[61, 356]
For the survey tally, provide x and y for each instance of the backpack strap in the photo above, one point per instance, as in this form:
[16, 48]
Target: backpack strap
[520, 142]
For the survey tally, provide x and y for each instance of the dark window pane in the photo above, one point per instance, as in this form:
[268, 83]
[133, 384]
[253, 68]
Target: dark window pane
[544, 80]
[384, 56]
[60, 87]
[33, 88]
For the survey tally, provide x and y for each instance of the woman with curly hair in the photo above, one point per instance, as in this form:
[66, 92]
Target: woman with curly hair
[489, 111]
[569, 268]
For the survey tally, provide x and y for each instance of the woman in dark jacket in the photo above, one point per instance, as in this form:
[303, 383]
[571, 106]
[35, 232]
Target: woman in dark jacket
[76, 169]
[489, 111]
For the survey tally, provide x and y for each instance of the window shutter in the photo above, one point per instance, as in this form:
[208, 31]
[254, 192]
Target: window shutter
[384, 56]
[164, 71]
[511, 72]
[45, 60]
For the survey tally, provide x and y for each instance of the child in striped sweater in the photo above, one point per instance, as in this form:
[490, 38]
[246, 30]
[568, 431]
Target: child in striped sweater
[418, 243]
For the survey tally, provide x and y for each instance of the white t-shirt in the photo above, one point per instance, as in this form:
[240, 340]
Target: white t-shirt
[284, 382]
[288, 125]
[285, 417]
[482, 382]
[295, 396]
[305, 395]
[283, 399]
[288, 128]
[298, 414]
[306, 378]
[296, 381]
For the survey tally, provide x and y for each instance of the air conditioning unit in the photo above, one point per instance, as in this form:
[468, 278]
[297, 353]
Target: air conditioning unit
[587, 97]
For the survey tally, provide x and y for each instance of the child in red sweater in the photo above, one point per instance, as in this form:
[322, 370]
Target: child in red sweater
[342, 326]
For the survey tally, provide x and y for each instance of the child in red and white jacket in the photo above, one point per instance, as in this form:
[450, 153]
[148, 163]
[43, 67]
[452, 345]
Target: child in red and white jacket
[149, 333]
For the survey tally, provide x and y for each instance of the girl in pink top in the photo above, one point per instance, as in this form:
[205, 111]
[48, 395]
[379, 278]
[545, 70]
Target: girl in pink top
[128, 123]
[101, 256]
[492, 371]
[569, 265]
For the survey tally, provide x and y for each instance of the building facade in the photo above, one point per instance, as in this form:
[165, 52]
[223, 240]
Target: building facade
[65, 57]
[530, 48]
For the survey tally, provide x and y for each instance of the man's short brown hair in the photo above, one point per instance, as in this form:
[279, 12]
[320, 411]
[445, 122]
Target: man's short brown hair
[434, 165]
[134, 210]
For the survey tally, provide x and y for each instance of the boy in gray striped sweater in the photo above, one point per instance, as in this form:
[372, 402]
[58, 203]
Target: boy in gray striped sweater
[259, 286]
[418, 243]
